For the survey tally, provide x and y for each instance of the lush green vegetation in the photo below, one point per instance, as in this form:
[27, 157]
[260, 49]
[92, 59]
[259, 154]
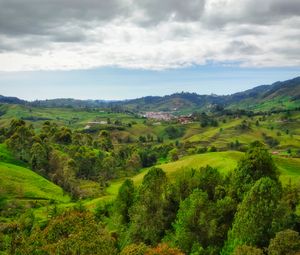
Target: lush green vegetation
[33, 185]
[106, 181]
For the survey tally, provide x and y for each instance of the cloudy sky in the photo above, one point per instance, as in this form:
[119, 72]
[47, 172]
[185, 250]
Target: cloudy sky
[128, 48]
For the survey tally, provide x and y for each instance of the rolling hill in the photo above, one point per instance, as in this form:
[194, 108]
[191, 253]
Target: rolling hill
[279, 95]
[224, 161]
[19, 182]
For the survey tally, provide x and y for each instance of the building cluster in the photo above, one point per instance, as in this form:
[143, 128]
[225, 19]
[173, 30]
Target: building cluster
[159, 116]
[166, 116]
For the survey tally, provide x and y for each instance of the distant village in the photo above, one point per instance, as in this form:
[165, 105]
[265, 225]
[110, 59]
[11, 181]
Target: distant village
[166, 116]
[157, 116]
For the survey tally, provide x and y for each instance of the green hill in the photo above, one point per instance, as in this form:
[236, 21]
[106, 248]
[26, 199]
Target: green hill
[277, 96]
[19, 182]
[289, 169]
[22, 183]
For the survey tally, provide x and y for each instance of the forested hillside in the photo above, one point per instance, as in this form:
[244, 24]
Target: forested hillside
[278, 96]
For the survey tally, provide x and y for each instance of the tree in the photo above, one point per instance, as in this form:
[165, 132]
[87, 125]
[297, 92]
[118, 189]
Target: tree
[124, 201]
[209, 179]
[148, 157]
[134, 249]
[193, 225]
[14, 125]
[247, 250]
[39, 157]
[173, 154]
[134, 163]
[147, 213]
[285, 242]
[256, 163]
[70, 233]
[21, 141]
[174, 132]
[64, 136]
[104, 141]
[62, 170]
[252, 223]
[164, 249]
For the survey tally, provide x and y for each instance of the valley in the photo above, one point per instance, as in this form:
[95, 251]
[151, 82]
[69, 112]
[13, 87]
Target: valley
[57, 161]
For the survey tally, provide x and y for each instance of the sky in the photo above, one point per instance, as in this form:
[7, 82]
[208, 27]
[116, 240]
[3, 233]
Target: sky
[119, 49]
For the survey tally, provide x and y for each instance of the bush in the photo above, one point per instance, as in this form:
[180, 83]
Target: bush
[174, 132]
[286, 242]
[134, 249]
[247, 250]
[164, 249]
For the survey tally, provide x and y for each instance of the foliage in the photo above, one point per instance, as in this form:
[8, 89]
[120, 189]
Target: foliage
[134, 249]
[256, 163]
[285, 242]
[252, 223]
[71, 233]
[192, 224]
[124, 201]
[174, 132]
[163, 249]
[200, 209]
[147, 213]
[247, 250]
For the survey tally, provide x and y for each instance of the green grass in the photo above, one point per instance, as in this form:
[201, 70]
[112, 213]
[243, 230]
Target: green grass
[226, 133]
[22, 183]
[74, 118]
[6, 156]
[224, 161]
[280, 102]
[289, 169]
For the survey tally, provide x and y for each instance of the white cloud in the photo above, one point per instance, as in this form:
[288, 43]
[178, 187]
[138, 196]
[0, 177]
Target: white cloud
[63, 35]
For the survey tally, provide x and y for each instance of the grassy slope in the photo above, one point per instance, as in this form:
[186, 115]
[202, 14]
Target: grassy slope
[229, 132]
[224, 161]
[22, 183]
[219, 136]
[279, 102]
[289, 169]
[75, 118]
[17, 181]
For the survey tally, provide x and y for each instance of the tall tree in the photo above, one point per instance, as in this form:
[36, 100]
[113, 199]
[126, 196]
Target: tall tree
[192, 225]
[147, 213]
[253, 221]
[39, 157]
[124, 201]
[256, 163]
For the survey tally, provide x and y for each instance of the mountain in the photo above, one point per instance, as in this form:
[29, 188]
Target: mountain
[69, 102]
[11, 100]
[290, 88]
[279, 95]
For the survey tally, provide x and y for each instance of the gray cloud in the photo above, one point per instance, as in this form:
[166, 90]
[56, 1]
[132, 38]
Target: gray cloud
[152, 34]
[285, 8]
[223, 12]
[18, 17]
[156, 10]
[242, 47]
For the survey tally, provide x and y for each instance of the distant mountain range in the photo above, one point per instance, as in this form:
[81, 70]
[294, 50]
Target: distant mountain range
[279, 95]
